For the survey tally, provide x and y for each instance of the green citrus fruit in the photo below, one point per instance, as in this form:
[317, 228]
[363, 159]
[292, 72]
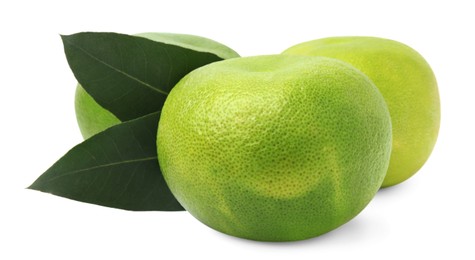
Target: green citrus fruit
[274, 148]
[408, 85]
[92, 118]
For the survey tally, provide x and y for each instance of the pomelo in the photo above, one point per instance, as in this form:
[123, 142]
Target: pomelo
[274, 148]
[409, 88]
[92, 118]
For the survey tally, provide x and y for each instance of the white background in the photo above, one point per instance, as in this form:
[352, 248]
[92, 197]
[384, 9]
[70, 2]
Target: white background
[431, 215]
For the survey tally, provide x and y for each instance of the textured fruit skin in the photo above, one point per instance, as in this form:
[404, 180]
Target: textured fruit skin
[274, 148]
[408, 85]
[92, 118]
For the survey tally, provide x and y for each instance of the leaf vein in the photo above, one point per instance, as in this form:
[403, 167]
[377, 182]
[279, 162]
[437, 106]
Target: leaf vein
[103, 166]
[118, 70]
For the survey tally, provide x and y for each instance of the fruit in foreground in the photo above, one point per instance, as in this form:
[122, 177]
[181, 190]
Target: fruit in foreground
[274, 148]
[408, 85]
[92, 118]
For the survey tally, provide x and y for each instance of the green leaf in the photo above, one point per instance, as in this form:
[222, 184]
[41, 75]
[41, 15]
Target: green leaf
[130, 76]
[116, 168]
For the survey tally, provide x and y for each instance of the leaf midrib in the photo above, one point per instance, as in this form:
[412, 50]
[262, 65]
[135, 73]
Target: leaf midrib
[115, 69]
[102, 166]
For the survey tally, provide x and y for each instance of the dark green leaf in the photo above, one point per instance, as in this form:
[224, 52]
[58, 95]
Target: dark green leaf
[129, 75]
[116, 168]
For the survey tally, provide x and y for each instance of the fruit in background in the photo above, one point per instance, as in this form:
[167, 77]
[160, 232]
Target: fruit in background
[409, 88]
[92, 118]
[274, 148]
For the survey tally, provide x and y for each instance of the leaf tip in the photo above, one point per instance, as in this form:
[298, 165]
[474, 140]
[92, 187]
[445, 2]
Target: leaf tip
[33, 186]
